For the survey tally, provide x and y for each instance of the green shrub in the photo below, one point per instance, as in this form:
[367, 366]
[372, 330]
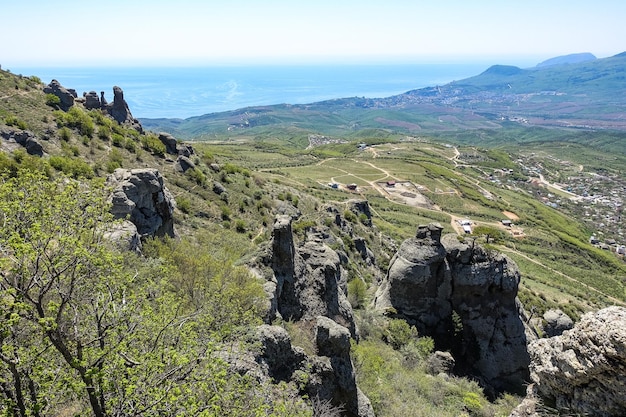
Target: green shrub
[13, 120]
[399, 333]
[74, 167]
[52, 100]
[357, 293]
[65, 134]
[183, 204]
[153, 144]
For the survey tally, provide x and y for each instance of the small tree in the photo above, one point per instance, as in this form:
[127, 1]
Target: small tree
[489, 232]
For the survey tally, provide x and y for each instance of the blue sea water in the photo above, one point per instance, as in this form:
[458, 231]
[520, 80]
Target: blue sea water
[155, 92]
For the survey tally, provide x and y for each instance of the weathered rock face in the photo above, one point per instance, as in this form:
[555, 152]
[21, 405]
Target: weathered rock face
[92, 101]
[584, 370]
[120, 112]
[330, 372]
[141, 196]
[309, 281]
[66, 97]
[125, 236]
[24, 138]
[308, 285]
[556, 322]
[465, 298]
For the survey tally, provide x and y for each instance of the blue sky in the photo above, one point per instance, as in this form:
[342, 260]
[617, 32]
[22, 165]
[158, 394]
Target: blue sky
[187, 32]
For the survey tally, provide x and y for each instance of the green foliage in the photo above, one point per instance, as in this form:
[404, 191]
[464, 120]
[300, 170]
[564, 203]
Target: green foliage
[72, 166]
[196, 175]
[76, 118]
[357, 293]
[184, 204]
[52, 100]
[13, 120]
[153, 144]
[399, 333]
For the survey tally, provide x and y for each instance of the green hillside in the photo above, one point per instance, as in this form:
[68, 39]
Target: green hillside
[167, 332]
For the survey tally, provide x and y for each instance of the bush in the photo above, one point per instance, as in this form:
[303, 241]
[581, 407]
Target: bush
[74, 167]
[357, 293]
[153, 144]
[399, 333]
[52, 100]
[12, 120]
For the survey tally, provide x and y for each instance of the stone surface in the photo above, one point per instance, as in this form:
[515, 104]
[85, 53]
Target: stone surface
[310, 281]
[556, 322]
[24, 138]
[92, 101]
[120, 112]
[463, 296]
[125, 236]
[583, 371]
[183, 164]
[141, 196]
[66, 97]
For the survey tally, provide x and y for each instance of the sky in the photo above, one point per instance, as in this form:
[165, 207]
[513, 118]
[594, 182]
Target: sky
[40, 33]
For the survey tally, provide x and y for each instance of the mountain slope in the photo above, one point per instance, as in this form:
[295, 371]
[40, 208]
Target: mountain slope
[583, 95]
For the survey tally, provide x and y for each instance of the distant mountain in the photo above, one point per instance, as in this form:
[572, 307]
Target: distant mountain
[585, 95]
[568, 59]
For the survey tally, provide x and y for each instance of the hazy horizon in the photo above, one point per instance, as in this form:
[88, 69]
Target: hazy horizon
[279, 32]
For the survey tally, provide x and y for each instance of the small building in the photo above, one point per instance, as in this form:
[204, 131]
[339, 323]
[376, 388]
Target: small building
[467, 229]
[507, 223]
[333, 185]
[351, 187]
[391, 183]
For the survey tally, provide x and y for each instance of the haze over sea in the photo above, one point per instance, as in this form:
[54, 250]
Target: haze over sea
[181, 92]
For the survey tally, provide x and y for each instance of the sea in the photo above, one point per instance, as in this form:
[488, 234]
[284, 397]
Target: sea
[182, 92]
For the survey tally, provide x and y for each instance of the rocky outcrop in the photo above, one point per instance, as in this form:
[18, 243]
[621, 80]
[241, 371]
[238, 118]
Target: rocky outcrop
[463, 296]
[329, 373]
[124, 235]
[309, 281]
[583, 371]
[120, 112]
[140, 196]
[66, 97]
[306, 285]
[24, 138]
[92, 101]
[555, 322]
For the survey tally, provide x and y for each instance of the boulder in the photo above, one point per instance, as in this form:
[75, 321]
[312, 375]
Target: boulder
[140, 195]
[125, 236]
[183, 164]
[361, 207]
[556, 322]
[583, 371]
[24, 138]
[463, 296]
[66, 97]
[92, 101]
[170, 143]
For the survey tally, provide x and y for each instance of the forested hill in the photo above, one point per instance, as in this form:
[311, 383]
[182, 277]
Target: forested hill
[588, 95]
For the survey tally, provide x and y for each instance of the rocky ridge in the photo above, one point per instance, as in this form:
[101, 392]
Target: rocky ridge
[307, 284]
[582, 371]
[464, 296]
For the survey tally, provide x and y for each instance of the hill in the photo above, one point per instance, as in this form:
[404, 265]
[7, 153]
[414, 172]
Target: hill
[192, 322]
[585, 95]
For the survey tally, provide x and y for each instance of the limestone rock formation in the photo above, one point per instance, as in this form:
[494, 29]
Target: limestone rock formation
[141, 196]
[309, 280]
[120, 112]
[125, 236]
[556, 322]
[92, 101]
[463, 296]
[307, 285]
[66, 97]
[24, 138]
[330, 374]
[583, 370]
